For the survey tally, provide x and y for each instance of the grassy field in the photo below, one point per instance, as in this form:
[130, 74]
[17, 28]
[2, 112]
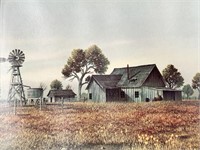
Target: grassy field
[154, 125]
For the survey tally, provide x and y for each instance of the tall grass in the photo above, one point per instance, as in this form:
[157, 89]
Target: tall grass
[156, 125]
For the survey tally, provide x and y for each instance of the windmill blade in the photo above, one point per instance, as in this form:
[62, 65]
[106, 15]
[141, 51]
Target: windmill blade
[15, 52]
[21, 52]
[18, 52]
[20, 61]
[22, 56]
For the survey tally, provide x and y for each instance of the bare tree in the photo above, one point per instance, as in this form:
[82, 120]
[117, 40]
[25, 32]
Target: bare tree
[43, 86]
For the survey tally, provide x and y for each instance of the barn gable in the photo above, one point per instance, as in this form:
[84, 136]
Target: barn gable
[154, 79]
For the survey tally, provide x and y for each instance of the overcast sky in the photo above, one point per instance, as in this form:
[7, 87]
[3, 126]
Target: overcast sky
[128, 32]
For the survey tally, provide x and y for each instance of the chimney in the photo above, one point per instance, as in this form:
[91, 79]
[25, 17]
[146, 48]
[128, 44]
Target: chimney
[127, 71]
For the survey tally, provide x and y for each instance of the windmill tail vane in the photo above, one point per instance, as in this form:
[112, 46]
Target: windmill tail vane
[2, 59]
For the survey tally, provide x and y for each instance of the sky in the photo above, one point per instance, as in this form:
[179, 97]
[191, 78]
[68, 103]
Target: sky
[134, 32]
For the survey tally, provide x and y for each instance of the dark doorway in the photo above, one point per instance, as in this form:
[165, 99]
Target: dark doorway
[113, 94]
[168, 95]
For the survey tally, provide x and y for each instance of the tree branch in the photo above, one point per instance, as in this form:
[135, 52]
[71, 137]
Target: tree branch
[90, 67]
[72, 78]
[86, 67]
[82, 70]
[75, 75]
[84, 83]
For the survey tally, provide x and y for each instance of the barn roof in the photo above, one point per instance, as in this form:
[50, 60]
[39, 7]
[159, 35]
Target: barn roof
[61, 93]
[137, 75]
[106, 81]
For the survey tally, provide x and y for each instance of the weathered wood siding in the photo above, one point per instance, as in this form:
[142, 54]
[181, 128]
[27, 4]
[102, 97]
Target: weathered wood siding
[151, 93]
[144, 92]
[53, 99]
[130, 94]
[155, 79]
[98, 94]
[58, 99]
[69, 99]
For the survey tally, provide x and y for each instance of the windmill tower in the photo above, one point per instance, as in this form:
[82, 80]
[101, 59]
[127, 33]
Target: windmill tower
[16, 90]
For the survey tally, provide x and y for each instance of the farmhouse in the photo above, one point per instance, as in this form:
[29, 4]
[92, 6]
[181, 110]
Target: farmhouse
[140, 83]
[58, 95]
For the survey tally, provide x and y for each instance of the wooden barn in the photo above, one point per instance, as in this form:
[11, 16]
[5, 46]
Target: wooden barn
[58, 95]
[140, 83]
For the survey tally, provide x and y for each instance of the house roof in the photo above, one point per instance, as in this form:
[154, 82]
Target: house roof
[105, 81]
[137, 75]
[61, 93]
[119, 77]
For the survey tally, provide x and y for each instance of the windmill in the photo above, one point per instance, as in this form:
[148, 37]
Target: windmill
[16, 91]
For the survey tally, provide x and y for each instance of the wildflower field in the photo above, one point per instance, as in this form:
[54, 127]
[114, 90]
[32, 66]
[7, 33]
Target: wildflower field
[153, 125]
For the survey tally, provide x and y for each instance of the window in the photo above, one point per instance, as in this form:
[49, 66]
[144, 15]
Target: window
[136, 94]
[90, 96]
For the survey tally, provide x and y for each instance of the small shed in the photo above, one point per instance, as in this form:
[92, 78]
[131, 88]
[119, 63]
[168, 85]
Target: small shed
[172, 94]
[58, 95]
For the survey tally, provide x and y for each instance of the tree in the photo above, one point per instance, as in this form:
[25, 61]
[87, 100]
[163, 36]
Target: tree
[81, 63]
[187, 89]
[56, 84]
[196, 83]
[172, 77]
[43, 86]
